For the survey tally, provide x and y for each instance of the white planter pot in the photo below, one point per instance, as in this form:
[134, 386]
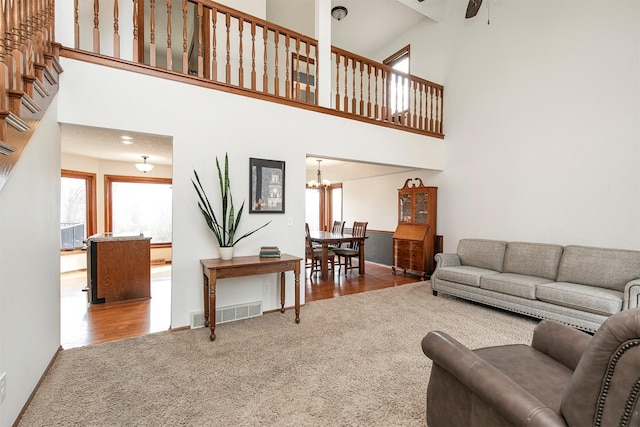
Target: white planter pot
[226, 253]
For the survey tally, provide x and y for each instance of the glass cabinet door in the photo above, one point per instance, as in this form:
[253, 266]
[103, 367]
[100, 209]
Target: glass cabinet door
[404, 215]
[420, 214]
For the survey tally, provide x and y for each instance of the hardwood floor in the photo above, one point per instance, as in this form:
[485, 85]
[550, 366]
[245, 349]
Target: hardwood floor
[83, 324]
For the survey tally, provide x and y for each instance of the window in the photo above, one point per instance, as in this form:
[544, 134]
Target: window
[323, 206]
[139, 205]
[77, 208]
[398, 85]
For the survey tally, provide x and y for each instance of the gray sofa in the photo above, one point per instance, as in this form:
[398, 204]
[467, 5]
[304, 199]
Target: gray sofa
[577, 285]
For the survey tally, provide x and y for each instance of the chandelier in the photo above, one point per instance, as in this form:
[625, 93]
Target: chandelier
[318, 182]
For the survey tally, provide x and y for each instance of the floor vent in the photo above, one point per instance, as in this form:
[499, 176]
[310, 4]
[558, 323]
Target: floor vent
[237, 312]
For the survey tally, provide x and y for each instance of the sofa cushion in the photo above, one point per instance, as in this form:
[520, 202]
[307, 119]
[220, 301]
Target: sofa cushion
[605, 268]
[581, 297]
[482, 253]
[532, 259]
[513, 284]
[464, 274]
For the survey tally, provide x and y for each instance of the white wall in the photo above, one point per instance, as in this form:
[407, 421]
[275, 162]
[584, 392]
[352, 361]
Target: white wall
[29, 266]
[542, 124]
[204, 124]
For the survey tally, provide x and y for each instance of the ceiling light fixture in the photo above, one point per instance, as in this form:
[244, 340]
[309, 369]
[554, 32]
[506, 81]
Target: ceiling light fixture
[144, 166]
[339, 12]
[126, 140]
[318, 182]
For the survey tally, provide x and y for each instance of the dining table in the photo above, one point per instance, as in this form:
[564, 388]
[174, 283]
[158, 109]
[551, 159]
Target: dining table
[326, 238]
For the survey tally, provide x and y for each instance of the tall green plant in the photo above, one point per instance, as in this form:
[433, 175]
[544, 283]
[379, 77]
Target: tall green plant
[225, 229]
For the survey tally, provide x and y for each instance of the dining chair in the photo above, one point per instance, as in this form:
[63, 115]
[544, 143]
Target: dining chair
[353, 248]
[313, 255]
[338, 228]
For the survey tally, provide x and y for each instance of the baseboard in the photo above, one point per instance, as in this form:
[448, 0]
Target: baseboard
[35, 389]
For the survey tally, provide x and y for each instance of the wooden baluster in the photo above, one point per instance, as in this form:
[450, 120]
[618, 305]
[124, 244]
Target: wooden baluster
[240, 66]
[185, 46]
[368, 90]
[353, 87]
[421, 91]
[346, 84]
[8, 42]
[17, 55]
[152, 34]
[338, 56]
[4, 71]
[415, 108]
[253, 55]
[169, 30]
[316, 73]
[361, 88]
[375, 108]
[76, 25]
[296, 70]
[276, 78]
[433, 107]
[200, 41]
[214, 48]
[136, 12]
[265, 77]
[440, 111]
[228, 67]
[96, 26]
[307, 89]
[287, 76]
[387, 82]
[116, 30]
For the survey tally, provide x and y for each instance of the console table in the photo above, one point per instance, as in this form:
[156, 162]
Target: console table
[216, 268]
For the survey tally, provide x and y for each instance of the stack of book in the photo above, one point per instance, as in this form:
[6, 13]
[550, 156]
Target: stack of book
[269, 252]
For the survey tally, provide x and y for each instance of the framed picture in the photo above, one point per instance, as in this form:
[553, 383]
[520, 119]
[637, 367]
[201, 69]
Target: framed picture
[266, 186]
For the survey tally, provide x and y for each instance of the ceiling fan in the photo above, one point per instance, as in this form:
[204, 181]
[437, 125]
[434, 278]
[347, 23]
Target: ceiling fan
[472, 8]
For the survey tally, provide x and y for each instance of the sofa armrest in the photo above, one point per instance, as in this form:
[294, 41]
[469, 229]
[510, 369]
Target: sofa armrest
[447, 260]
[560, 342]
[514, 403]
[631, 295]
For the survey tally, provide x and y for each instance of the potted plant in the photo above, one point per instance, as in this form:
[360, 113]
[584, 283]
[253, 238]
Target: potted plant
[225, 229]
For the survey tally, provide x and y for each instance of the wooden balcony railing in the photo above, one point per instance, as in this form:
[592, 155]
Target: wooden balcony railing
[236, 51]
[29, 71]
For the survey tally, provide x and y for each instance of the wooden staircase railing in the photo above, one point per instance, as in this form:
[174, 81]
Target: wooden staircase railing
[29, 70]
[230, 50]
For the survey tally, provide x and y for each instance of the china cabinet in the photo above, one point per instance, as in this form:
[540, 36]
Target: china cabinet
[414, 241]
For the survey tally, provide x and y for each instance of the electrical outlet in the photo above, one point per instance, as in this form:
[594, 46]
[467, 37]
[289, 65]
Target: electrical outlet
[3, 386]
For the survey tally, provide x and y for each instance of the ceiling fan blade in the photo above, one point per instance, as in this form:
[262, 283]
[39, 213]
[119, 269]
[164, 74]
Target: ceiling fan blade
[472, 8]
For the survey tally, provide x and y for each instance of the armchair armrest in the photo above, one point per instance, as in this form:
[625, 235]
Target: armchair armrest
[631, 295]
[509, 399]
[560, 342]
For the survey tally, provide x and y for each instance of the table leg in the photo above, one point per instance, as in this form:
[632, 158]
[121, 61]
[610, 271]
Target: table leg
[325, 260]
[282, 289]
[205, 279]
[296, 273]
[361, 266]
[212, 304]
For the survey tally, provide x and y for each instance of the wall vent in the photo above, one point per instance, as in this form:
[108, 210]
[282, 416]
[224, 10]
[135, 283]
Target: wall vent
[228, 314]
[237, 312]
[197, 319]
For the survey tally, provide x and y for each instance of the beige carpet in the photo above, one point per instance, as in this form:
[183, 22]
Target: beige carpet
[352, 361]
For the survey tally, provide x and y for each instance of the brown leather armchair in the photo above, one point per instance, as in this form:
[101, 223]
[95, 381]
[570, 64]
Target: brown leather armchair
[564, 378]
